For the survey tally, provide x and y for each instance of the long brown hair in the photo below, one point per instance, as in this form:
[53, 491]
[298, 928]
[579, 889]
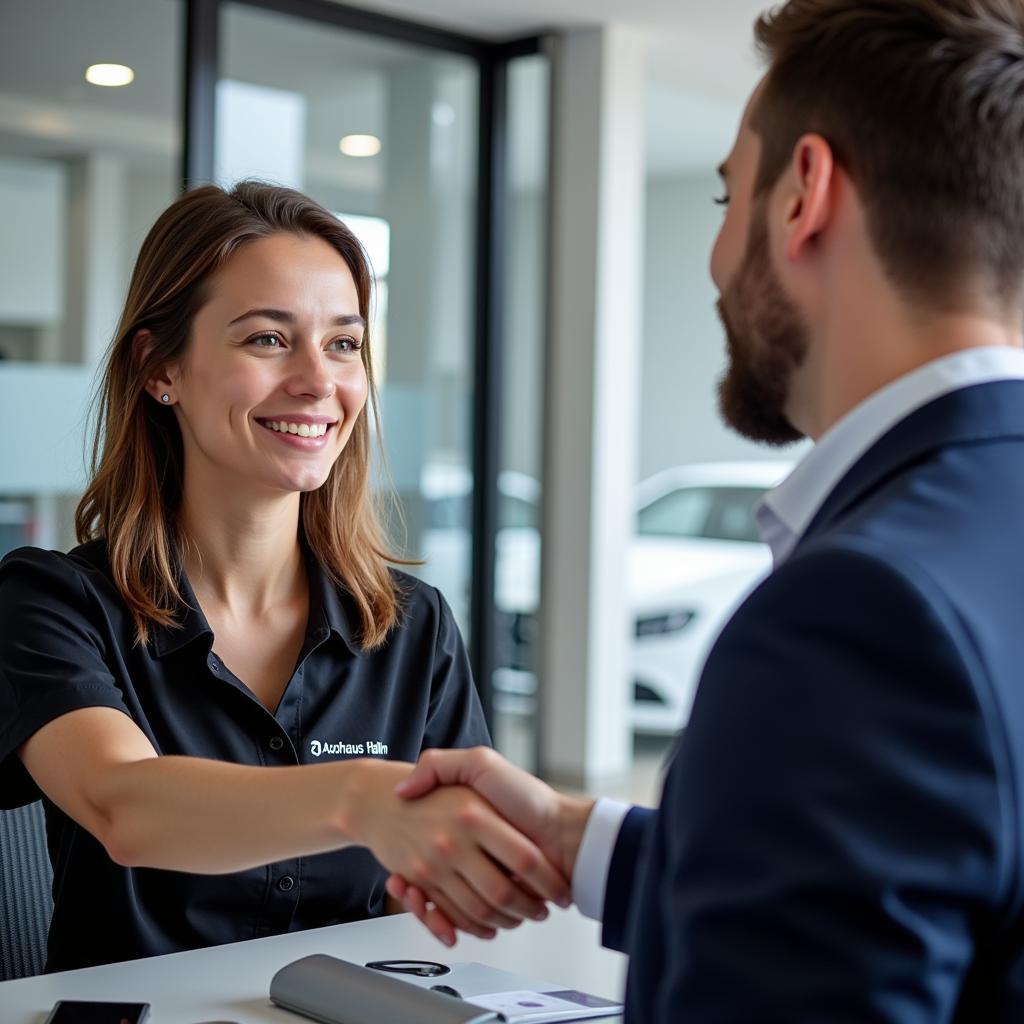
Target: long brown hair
[137, 457]
[922, 102]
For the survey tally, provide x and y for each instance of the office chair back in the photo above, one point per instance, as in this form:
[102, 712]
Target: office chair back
[26, 904]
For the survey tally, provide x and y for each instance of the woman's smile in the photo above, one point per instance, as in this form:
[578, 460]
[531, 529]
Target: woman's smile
[305, 433]
[304, 436]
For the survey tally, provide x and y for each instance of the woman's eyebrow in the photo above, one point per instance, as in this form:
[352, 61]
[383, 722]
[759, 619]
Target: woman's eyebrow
[283, 316]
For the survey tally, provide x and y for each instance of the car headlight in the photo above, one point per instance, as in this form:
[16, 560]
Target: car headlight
[669, 622]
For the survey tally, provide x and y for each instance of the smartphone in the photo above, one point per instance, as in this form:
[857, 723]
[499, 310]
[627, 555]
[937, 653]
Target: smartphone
[70, 1011]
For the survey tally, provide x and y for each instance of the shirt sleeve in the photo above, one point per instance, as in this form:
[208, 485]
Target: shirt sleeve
[51, 657]
[590, 875]
[456, 718]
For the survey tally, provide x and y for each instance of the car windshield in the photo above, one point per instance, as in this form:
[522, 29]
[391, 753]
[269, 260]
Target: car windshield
[715, 513]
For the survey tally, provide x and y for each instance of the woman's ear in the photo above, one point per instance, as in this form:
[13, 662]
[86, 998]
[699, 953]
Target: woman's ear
[160, 386]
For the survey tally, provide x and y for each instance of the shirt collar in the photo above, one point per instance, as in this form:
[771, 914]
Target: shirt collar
[189, 621]
[786, 512]
[329, 610]
[328, 613]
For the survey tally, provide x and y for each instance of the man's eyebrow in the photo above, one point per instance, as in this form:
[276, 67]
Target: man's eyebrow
[283, 316]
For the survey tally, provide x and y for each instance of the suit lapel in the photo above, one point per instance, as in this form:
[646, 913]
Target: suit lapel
[983, 412]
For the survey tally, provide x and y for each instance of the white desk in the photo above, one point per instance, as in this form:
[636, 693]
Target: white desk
[231, 983]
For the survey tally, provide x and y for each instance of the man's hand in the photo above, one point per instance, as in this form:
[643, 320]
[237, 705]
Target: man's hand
[463, 857]
[554, 822]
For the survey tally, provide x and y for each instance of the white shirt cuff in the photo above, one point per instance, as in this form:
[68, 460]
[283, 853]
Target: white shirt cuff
[590, 875]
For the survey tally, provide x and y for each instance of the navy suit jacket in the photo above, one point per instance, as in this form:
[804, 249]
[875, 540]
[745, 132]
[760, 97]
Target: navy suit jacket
[839, 837]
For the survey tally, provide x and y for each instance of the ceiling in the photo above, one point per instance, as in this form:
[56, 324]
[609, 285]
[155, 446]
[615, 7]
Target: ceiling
[701, 62]
[704, 46]
[701, 67]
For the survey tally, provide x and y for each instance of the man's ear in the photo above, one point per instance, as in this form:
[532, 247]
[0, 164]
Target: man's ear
[160, 386]
[809, 207]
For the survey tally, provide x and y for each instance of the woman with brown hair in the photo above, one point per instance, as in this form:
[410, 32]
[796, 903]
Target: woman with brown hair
[216, 693]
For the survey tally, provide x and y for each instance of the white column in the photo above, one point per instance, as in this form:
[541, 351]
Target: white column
[96, 265]
[591, 421]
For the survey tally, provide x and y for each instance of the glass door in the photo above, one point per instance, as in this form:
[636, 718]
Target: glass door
[384, 134]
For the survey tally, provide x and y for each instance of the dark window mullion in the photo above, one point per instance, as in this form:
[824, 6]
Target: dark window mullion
[487, 391]
[201, 70]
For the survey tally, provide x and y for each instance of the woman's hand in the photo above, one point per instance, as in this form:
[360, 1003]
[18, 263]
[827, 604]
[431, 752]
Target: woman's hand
[459, 853]
[555, 822]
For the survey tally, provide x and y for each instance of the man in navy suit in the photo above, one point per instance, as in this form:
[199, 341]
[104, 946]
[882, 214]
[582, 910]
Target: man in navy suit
[841, 833]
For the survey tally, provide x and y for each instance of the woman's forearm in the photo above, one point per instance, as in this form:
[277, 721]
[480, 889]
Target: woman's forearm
[212, 817]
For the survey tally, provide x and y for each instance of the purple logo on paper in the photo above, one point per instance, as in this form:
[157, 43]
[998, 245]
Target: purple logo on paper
[581, 998]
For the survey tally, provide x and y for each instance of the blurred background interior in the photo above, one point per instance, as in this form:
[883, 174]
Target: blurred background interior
[533, 183]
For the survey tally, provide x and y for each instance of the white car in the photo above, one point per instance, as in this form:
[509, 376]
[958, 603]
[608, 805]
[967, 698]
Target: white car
[694, 557]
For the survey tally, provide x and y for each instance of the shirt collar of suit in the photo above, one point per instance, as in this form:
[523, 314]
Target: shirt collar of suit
[786, 512]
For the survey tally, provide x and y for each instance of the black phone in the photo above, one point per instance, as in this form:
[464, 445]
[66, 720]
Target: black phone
[71, 1011]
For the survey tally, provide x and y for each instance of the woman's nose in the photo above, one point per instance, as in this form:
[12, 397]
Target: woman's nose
[312, 377]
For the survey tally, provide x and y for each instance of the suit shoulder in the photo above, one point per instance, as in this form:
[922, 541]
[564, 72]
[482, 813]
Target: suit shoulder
[846, 606]
[825, 570]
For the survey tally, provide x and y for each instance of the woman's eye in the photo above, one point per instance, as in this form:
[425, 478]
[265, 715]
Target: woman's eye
[265, 341]
[345, 345]
[721, 200]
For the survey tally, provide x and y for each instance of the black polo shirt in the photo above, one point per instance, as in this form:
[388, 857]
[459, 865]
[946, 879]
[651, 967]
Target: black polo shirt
[67, 642]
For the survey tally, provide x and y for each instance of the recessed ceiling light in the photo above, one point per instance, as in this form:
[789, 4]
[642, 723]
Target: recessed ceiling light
[360, 145]
[109, 74]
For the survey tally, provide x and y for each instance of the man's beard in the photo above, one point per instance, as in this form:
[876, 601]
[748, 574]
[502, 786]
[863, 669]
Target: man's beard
[767, 343]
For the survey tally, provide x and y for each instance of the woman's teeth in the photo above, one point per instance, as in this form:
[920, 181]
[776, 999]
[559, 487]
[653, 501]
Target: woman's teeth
[302, 429]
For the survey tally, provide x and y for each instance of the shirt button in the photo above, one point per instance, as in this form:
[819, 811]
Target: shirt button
[276, 743]
[214, 665]
[286, 884]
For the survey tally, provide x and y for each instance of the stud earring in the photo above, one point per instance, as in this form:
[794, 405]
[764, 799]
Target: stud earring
[165, 399]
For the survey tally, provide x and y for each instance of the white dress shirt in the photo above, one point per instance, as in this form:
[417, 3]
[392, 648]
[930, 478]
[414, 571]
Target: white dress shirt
[785, 514]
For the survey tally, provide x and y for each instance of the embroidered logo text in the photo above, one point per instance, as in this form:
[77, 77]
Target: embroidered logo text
[317, 748]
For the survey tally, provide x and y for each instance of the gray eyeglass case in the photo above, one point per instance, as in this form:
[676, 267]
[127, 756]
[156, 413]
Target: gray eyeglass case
[338, 992]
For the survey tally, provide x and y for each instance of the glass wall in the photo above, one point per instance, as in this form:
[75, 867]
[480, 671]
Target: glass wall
[88, 157]
[385, 135]
[517, 569]
[697, 552]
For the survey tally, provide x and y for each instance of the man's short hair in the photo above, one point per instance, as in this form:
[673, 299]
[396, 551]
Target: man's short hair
[922, 102]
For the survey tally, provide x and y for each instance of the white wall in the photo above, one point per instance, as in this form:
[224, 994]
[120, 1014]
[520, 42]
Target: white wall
[683, 341]
[522, 401]
[32, 212]
[52, 460]
[684, 344]
[150, 187]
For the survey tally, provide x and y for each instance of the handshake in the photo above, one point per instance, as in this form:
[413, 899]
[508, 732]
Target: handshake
[505, 845]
